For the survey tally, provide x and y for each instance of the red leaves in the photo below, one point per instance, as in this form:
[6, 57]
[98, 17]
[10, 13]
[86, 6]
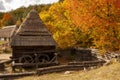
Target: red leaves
[6, 16]
[114, 2]
[7, 20]
[117, 3]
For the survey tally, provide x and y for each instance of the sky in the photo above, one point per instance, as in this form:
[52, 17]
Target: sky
[7, 5]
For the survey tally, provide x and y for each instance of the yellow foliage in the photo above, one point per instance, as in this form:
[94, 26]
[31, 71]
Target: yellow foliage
[85, 23]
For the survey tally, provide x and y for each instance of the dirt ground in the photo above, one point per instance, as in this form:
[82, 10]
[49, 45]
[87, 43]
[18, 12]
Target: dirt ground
[5, 56]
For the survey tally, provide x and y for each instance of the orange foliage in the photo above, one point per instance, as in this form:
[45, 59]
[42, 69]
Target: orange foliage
[99, 19]
[6, 16]
[85, 23]
[117, 3]
[7, 20]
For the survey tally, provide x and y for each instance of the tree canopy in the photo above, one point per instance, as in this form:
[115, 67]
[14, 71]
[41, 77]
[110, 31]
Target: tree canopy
[73, 23]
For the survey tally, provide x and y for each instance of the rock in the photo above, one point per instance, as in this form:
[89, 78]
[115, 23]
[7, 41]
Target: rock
[108, 62]
[67, 72]
[85, 69]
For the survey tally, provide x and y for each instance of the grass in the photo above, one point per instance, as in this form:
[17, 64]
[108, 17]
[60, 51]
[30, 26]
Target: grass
[111, 72]
[2, 42]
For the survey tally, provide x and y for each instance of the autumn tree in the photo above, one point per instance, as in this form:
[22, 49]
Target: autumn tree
[106, 33]
[83, 23]
[82, 18]
[98, 20]
[1, 15]
[7, 19]
[59, 22]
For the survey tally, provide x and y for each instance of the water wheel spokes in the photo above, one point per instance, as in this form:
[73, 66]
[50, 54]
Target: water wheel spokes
[26, 59]
[43, 58]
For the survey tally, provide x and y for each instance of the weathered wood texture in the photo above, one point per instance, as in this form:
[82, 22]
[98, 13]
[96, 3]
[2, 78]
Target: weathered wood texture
[88, 63]
[2, 62]
[13, 75]
[27, 50]
[83, 54]
[32, 38]
[5, 61]
[71, 66]
[59, 69]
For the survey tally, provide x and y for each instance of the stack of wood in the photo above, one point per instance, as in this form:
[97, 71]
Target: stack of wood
[112, 55]
[83, 54]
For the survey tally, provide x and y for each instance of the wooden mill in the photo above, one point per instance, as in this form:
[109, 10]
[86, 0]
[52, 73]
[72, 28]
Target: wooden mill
[33, 43]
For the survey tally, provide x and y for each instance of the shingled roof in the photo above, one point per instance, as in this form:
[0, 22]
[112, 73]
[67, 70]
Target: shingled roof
[33, 32]
[7, 31]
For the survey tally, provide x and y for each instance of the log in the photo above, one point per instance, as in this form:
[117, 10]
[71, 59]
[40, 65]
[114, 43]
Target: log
[13, 75]
[2, 62]
[33, 64]
[60, 68]
[5, 61]
[87, 63]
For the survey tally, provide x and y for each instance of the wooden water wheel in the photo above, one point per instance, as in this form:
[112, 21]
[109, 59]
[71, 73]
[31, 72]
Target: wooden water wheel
[26, 59]
[43, 58]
